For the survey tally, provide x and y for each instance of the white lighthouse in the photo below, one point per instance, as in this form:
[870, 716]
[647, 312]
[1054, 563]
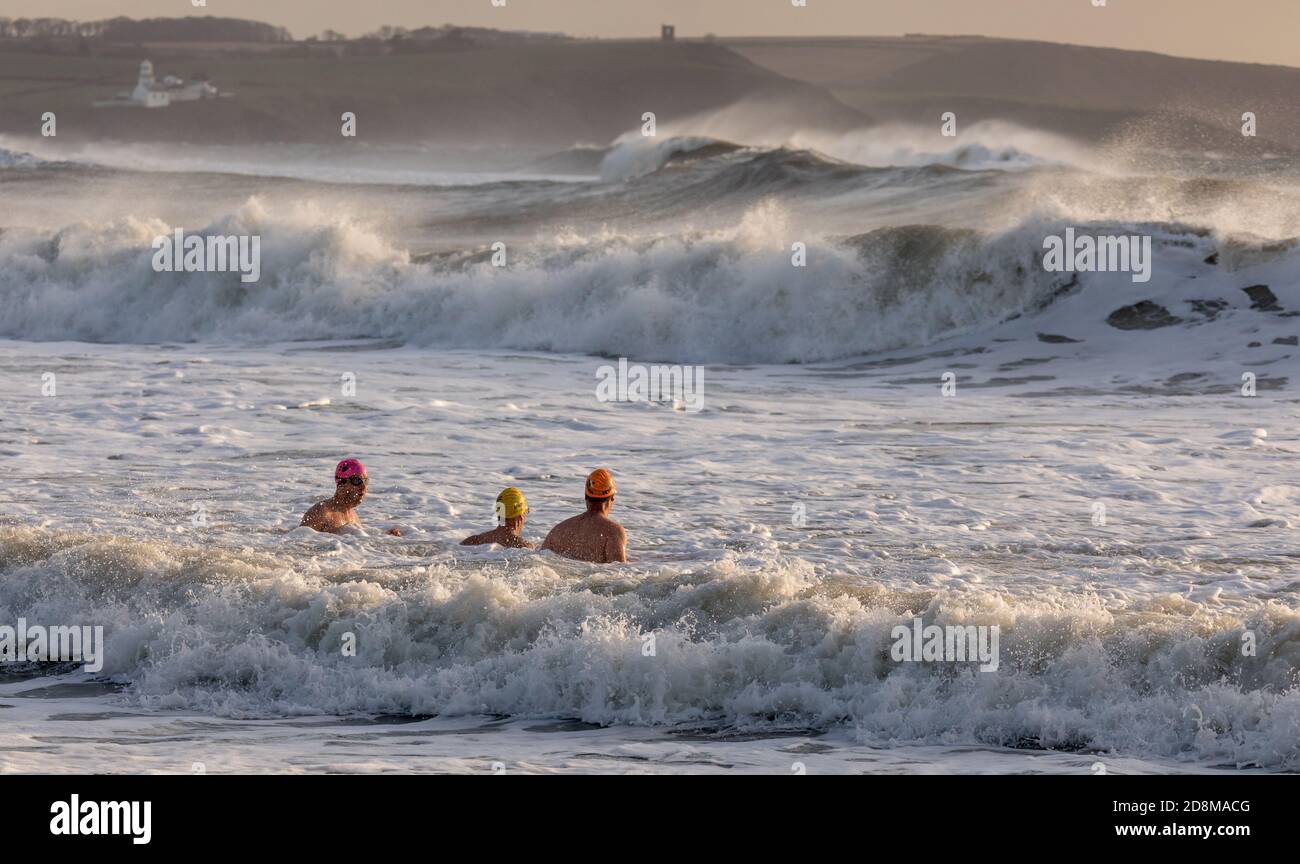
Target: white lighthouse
[150, 92]
[147, 92]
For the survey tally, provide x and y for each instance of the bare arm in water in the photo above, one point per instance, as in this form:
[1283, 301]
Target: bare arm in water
[616, 545]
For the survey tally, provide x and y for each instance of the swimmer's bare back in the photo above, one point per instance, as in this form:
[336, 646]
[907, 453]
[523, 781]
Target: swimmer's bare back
[325, 516]
[590, 537]
[501, 535]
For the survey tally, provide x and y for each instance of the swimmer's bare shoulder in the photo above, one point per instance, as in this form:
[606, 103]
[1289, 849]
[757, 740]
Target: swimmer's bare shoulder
[324, 517]
[477, 540]
[515, 542]
[314, 518]
[615, 543]
[498, 536]
[558, 538]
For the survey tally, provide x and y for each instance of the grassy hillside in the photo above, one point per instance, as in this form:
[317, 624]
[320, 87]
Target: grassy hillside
[548, 96]
[545, 96]
[1086, 92]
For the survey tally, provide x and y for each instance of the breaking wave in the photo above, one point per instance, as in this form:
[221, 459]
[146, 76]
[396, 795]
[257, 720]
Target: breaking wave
[730, 296]
[738, 643]
[656, 287]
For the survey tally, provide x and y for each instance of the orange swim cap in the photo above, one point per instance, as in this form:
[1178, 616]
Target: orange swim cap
[600, 484]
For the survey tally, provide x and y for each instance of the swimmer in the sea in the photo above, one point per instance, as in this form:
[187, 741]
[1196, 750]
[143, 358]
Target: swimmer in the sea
[512, 512]
[592, 536]
[334, 514]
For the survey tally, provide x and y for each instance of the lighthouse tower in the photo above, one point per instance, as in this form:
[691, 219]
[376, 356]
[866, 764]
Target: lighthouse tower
[146, 84]
[147, 92]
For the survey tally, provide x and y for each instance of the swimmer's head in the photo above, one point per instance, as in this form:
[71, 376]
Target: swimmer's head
[512, 507]
[350, 482]
[600, 490]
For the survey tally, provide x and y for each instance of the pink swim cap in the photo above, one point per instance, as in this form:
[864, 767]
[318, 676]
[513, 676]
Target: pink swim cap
[349, 468]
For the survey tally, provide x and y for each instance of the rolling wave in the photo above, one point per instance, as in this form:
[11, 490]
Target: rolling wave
[730, 296]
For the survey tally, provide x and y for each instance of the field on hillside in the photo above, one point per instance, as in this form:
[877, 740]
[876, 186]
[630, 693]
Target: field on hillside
[1087, 93]
[549, 96]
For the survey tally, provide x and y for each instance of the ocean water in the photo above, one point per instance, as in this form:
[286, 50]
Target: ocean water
[1106, 497]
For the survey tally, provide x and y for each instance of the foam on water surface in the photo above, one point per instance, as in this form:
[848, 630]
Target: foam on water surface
[1119, 640]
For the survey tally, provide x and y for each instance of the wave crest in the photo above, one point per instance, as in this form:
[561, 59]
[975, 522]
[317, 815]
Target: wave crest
[728, 296]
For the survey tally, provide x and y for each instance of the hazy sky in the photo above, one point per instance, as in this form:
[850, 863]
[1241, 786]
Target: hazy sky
[1261, 31]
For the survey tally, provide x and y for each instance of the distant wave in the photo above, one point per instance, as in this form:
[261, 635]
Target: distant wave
[582, 159]
[723, 296]
[311, 164]
[687, 175]
[987, 145]
[634, 156]
[17, 159]
[983, 146]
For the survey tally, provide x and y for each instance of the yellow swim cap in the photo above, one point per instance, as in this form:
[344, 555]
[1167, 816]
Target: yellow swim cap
[511, 504]
[600, 484]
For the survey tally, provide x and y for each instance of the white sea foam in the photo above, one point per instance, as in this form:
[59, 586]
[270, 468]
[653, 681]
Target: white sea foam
[736, 644]
[1122, 639]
